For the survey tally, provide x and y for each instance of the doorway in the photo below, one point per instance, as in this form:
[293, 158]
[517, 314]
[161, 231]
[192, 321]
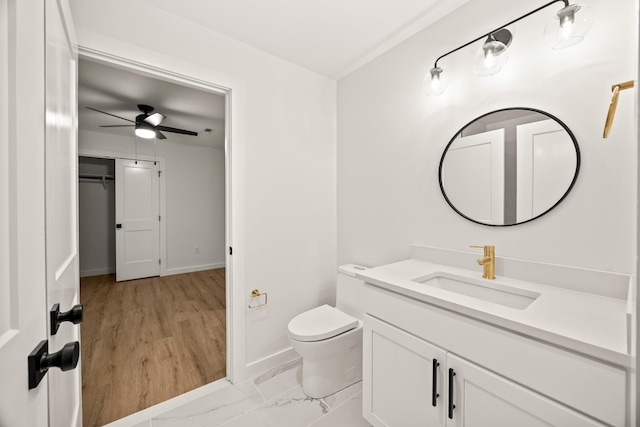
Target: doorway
[188, 262]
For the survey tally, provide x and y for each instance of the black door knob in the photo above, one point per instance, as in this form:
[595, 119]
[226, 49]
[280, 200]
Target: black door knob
[75, 316]
[65, 359]
[39, 360]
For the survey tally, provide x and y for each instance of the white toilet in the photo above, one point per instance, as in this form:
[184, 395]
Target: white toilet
[329, 339]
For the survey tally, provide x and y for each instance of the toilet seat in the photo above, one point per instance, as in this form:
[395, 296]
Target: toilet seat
[320, 324]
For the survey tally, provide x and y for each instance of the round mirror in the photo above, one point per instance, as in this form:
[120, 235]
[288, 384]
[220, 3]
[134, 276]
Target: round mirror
[509, 166]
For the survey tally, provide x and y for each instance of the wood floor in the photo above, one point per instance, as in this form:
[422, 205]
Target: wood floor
[145, 341]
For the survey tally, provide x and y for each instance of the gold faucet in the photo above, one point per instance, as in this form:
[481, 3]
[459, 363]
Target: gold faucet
[488, 261]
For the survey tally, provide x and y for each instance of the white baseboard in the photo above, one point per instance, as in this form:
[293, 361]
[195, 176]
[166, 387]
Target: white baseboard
[97, 271]
[192, 269]
[269, 362]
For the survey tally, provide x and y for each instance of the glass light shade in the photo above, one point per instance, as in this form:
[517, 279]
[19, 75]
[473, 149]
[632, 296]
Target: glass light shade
[490, 59]
[436, 81]
[568, 26]
[144, 130]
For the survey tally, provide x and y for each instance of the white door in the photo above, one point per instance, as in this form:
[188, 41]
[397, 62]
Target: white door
[137, 219]
[484, 399]
[473, 176]
[546, 166]
[401, 373]
[61, 206]
[26, 262]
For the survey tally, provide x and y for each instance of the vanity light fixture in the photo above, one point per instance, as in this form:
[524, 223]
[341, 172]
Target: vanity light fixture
[566, 28]
[437, 81]
[490, 59]
[574, 22]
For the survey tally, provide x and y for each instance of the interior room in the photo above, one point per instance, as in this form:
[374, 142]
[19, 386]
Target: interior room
[176, 304]
[430, 208]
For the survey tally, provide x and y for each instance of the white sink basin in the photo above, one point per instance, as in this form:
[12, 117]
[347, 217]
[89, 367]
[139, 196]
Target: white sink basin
[483, 289]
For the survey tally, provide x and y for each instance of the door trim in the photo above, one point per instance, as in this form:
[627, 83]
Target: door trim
[235, 356]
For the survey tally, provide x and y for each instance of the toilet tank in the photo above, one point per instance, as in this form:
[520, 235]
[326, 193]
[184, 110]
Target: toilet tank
[349, 290]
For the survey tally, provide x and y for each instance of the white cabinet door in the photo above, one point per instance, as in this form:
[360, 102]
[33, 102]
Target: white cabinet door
[484, 399]
[398, 378]
[138, 219]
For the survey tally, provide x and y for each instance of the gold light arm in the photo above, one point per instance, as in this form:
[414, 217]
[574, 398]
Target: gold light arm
[614, 104]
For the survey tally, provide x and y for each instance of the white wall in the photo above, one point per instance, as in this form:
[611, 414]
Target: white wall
[391, 137]
[195, 204]
[283, 130]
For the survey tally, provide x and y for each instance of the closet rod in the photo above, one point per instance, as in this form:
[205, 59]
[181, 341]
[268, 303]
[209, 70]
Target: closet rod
[98, 177]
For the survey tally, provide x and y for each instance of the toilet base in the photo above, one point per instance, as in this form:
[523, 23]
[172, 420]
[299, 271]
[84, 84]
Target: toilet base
[328, 375]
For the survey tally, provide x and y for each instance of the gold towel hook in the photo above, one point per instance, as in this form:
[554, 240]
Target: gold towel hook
[614, 104]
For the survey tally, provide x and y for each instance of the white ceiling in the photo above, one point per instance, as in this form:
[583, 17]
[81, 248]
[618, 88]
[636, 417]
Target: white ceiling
[118, 92]
[330, 37]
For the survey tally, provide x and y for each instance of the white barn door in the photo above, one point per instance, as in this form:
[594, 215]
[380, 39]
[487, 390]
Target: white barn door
[137, 219]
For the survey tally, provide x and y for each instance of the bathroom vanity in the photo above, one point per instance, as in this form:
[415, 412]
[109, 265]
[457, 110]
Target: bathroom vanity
[444, 347]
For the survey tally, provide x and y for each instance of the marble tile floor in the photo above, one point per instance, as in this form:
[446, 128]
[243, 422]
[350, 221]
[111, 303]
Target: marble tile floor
[272, 399]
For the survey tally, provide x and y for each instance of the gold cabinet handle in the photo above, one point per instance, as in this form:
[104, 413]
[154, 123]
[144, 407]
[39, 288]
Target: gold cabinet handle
[256, 293]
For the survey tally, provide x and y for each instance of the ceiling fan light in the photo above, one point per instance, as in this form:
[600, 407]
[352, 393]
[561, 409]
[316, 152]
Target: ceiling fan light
[145, 133]
[155, 119]
[145, 130]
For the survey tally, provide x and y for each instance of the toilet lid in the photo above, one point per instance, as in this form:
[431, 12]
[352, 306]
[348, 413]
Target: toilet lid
[320, 323]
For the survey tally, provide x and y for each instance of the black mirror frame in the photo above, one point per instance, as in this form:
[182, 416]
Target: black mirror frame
[575, 176]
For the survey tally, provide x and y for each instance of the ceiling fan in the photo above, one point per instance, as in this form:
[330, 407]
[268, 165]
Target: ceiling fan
[147, 124]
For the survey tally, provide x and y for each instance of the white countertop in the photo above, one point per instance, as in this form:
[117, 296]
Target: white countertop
[590, 324]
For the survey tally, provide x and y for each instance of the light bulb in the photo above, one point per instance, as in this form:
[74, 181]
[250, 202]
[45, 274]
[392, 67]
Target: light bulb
[436, 81]
[566, 29]
[568, 26]
[145, 133]
[490, 58]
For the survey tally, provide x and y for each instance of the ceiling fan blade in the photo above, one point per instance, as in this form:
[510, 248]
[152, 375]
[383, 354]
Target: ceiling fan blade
[155, 119]
[160, 135]
[104, 112]
[175, 130]
[116, 126]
